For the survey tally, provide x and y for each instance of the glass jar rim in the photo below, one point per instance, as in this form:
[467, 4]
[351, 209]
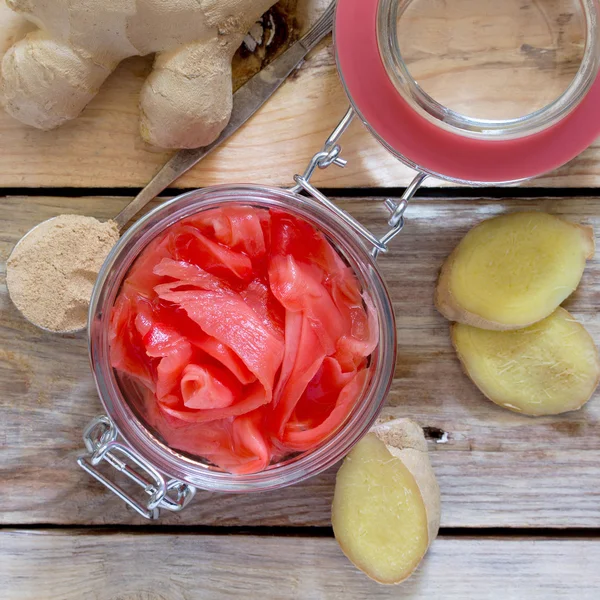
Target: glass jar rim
[120, 411]
[388, 13]
[436, 151]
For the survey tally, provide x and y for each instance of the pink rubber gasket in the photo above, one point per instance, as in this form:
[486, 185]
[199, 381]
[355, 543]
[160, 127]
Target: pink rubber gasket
[436, 150]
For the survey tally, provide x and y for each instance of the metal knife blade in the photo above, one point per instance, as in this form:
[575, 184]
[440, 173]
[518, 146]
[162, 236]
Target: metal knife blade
[246, 101]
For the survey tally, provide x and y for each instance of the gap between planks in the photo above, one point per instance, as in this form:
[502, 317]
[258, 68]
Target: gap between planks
[466, 193]
[157, 528]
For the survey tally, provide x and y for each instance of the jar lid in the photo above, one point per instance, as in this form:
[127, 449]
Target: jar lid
[476, 91]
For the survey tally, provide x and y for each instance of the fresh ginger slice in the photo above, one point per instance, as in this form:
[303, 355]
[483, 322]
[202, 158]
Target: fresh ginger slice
[549, 368]
[386, 506]
[514, 270]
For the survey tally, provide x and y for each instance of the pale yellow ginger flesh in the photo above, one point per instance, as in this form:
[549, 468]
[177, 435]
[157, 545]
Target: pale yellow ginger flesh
[514, 270]
[549, 368]
[49, 76]
[386, 506]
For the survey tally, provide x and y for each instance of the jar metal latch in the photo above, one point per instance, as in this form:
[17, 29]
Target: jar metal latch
[330, 155]
[101, 442]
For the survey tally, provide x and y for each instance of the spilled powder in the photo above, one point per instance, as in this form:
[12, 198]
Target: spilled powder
[51, 272]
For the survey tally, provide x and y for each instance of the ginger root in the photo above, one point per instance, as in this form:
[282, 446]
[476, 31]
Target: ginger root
[514, 270]
[14, 28]
[386, 506]
[47, 78]
[549, 368]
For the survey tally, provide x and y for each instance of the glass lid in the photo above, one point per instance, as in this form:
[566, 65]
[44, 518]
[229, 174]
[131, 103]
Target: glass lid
[499, 68]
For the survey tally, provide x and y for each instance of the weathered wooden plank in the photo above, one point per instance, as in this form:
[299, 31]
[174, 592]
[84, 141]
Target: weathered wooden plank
[74, 565]
[103, 148]
[495, 469]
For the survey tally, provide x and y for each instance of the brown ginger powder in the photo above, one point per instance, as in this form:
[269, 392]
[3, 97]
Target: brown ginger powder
[51, 272]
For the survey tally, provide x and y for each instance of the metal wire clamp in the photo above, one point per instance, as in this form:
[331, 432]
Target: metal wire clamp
[330, 155]
[100, 438]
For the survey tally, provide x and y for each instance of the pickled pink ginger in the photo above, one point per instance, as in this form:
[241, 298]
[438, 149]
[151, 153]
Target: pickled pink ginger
[246, 334]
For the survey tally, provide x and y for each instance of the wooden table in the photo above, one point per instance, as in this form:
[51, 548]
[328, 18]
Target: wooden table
[521, 496]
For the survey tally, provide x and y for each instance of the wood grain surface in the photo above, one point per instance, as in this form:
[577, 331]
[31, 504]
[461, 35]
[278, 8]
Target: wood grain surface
[495, 468]
[74, 565]
[103, 149]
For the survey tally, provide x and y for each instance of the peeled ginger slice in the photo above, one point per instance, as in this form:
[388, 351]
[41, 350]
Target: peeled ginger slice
[514, 270]
[549, 368]
[386, 506]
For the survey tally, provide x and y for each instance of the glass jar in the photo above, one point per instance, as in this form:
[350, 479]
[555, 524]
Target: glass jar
[474, 91]
[146, 449]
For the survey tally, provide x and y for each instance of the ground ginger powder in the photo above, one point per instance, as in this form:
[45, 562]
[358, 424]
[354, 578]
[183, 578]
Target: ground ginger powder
[51, 272]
